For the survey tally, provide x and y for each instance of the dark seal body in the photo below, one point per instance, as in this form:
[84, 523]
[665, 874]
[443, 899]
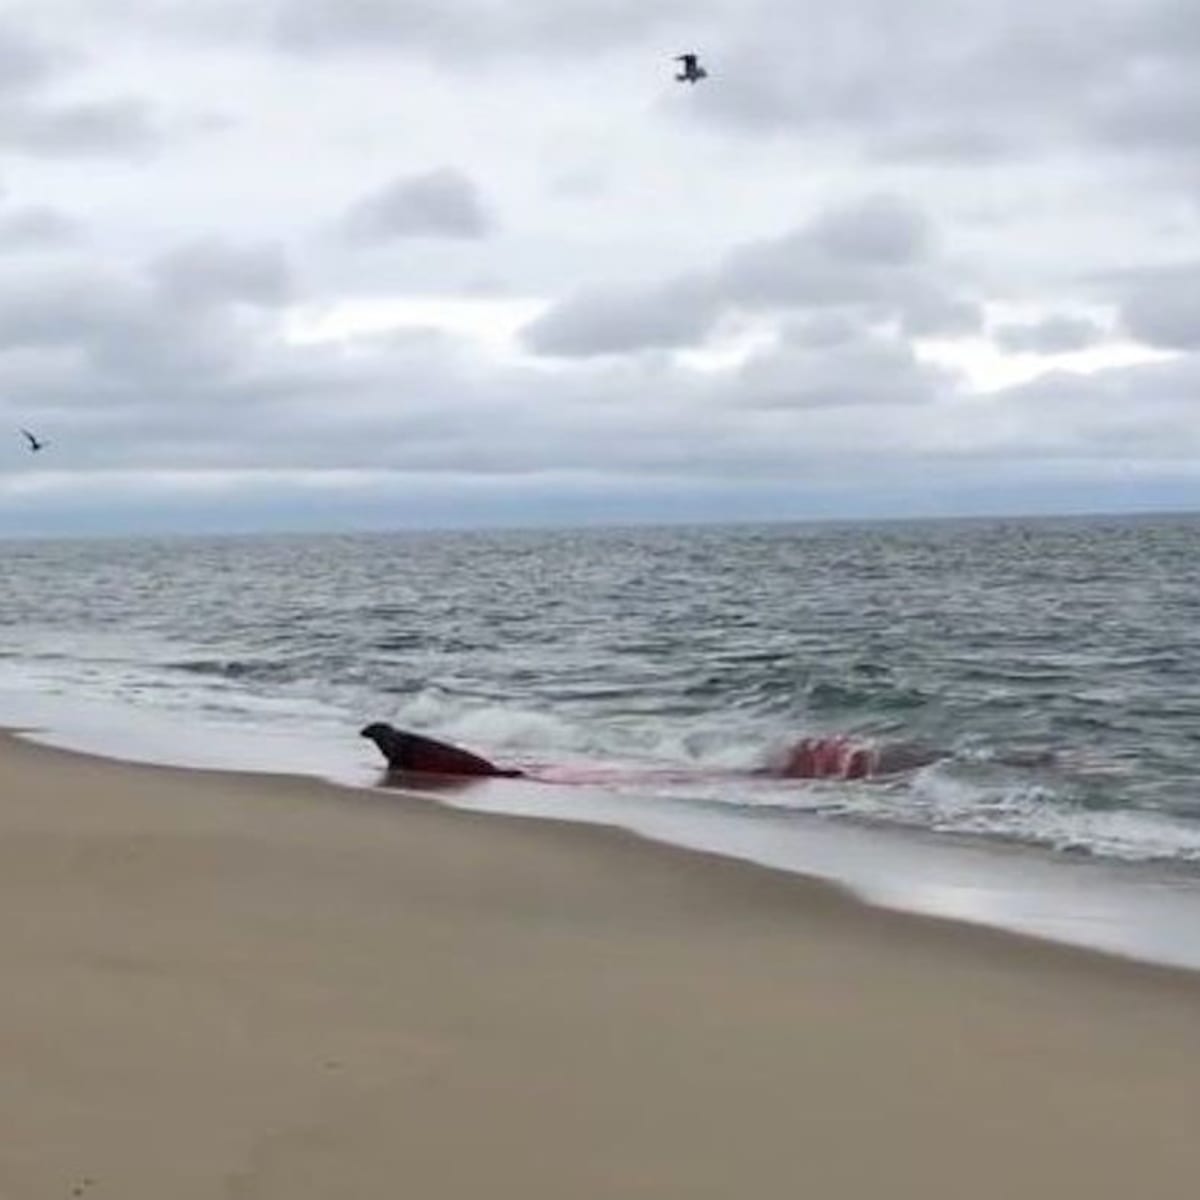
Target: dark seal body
[427, 756]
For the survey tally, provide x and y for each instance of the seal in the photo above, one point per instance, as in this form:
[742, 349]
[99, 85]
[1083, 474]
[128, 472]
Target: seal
[412, 752]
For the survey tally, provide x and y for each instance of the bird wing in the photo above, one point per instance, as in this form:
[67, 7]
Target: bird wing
[32, 439]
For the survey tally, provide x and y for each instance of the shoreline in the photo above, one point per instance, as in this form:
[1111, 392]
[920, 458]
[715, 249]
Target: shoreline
[1140, 912]
[581, 832]
[269, 986]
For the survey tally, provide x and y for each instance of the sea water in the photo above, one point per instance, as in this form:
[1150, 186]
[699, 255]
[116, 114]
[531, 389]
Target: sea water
[1054, 663]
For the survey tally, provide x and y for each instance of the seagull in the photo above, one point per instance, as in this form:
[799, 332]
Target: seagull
[35, 444]
[692, 71]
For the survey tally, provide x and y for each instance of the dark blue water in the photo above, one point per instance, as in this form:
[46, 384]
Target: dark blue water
[694, 650]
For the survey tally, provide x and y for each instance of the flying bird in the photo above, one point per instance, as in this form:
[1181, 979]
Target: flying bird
[692, 71]
[35, 444]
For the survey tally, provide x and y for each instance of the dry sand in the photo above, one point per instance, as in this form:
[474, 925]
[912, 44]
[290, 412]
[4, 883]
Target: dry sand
[229, 986]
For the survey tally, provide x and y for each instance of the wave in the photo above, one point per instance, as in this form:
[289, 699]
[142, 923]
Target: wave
[267, 670]
[702, 651]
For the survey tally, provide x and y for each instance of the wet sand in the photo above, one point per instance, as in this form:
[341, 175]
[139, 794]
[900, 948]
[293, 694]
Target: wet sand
[223, 985]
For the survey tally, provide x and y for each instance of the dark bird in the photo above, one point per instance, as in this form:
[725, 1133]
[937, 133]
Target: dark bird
[35, 444]
[692, 71]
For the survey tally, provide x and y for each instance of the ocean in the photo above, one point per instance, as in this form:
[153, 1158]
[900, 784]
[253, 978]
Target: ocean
[1054, 663]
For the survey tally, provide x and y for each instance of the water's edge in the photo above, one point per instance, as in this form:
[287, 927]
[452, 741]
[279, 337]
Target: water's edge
[1141, 913]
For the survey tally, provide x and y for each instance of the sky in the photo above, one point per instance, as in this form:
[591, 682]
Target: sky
[336, 264]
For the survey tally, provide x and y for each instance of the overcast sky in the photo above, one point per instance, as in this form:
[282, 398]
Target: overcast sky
[371, 263]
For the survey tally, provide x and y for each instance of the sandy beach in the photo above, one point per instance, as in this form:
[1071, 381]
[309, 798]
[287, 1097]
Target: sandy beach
[248, 986]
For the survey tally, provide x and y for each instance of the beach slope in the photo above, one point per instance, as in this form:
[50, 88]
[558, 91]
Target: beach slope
[257, 987]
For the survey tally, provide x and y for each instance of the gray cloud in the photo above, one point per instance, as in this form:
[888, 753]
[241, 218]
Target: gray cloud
[877, 253]
[215, 272]
[457, 31]
[1056, 334]
[1162, 308]
[430, 412]
[24, 63]
[865, 370]
[932, 310]
[852, 253]
[578, 181]
[470, 29]
[38, 227]
[961, 86]
[63, 308]
[1136, 413]
[881, 230]
[328, 25]
[441, 203]
[675, 314]
[105, 343]
[119, 383]
[823, 330]
[1154, 113]
[35, 123]
[944, 83]
[121, 128]
[875, 257]
[933, 79]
